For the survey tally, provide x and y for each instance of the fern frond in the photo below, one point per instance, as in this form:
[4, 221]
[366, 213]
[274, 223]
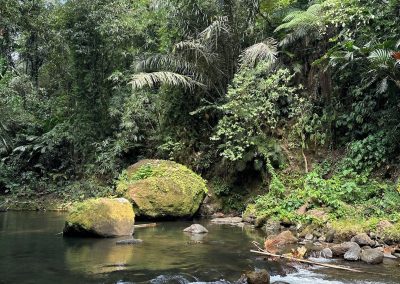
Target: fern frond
[380, 57]
[263, 51]
[152, 80]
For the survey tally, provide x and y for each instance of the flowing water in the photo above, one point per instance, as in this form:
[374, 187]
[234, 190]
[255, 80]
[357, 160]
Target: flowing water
[33, 251]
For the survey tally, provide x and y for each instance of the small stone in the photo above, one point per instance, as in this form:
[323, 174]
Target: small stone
[327, 253]
[363, 240]
[309, 237]
[353, 254]
[196, 229]
[322, 239]
[372, 256]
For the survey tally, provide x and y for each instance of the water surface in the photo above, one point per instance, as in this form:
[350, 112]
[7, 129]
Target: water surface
[32, 250]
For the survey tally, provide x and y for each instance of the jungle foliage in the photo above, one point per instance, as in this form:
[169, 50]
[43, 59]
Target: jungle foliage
[88, 87]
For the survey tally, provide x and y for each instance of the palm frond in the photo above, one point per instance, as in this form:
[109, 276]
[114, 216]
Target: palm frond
[263, 51]
[165, 62]
[152, 80]
[215, 29]
[196, 50]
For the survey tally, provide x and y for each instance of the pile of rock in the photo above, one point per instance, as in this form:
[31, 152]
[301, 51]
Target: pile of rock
[361, 247]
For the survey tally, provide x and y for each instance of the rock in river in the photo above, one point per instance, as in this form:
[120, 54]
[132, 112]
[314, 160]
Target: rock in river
[101, 217]
[258, 277]
[129, 242]
[162, 189]
[353, 254]
[341, 249]
[228, 220]
[196, 229]
[372, 256]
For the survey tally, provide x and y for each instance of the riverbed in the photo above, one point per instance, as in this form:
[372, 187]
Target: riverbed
[32, 250]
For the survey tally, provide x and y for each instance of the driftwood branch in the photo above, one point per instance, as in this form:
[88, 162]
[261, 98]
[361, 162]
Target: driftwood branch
[145, 225]
[307, 261]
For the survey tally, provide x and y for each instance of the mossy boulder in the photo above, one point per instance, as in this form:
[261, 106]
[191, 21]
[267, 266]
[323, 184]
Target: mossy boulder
[101, 217]
[162, 189]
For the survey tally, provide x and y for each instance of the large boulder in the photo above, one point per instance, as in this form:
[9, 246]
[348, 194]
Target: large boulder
[101, 217]
[372, 256]
[363, 240]
[341, 249]
[162, 189]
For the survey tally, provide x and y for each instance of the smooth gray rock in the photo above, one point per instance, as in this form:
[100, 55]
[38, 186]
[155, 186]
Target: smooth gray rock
[326, 253]
[341, 249]
[372, 256]
[196, 229]
[363, 240]
[129, 242]
[227, 220]
[353, 254]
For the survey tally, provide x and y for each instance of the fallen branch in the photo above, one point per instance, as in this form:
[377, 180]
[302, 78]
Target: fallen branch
[146, 225]
[307, 261]
[263, 252]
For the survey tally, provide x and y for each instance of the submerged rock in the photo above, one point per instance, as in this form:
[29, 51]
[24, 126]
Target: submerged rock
[258, 277]
[102, 217]
[372, 256]
[162, 189]
[196, 229]
[129, 242]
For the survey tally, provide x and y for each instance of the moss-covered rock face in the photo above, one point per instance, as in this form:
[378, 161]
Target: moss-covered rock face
[162, 189]
[102, 217]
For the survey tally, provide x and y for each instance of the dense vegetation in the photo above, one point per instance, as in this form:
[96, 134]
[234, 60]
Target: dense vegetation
[295, 100]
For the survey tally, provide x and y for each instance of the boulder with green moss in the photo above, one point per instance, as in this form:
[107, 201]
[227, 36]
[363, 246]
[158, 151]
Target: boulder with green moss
[101, 217]
[162, 189]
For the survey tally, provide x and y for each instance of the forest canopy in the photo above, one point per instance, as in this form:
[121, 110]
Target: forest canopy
[234, 89]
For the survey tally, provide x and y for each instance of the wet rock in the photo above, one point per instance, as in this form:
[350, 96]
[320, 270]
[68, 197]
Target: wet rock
[372, 256]
[353, 254]
[258, 277]
[129, 242]
[341, 249]
[100, 217]
[218, 215]
[228, 220]
[196, 229]
[326, 253]
[363, 240]
[274, 242]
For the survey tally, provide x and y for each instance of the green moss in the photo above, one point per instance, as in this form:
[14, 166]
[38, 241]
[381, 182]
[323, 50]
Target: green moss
[92, 211]
[162, 188]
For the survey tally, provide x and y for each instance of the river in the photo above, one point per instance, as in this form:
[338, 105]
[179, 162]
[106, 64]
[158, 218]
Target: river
[32, 250]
